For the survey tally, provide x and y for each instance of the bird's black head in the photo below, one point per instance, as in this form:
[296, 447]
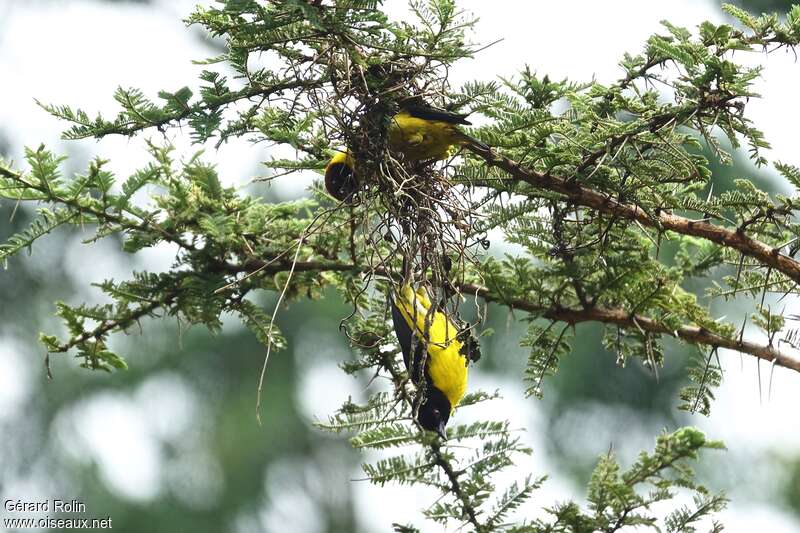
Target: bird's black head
[435, 411]
[340, 181]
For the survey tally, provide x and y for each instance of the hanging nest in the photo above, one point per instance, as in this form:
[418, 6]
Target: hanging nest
[415, 225]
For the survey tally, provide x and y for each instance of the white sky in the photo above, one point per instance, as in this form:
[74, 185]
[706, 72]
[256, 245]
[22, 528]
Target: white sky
[50, 52]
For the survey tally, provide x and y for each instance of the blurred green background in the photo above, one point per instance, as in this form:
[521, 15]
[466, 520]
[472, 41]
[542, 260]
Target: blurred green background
[173, 444]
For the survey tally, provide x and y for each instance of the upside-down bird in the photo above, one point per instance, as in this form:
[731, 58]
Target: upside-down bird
[438, 364]
[418, 132]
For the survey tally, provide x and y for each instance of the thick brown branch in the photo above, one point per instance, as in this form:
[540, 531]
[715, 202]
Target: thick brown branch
[617, 316]
[693, 334]
[604, 203]
[623, 318]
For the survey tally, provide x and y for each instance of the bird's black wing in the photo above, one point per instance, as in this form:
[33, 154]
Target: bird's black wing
[405, 337]
[427, 112]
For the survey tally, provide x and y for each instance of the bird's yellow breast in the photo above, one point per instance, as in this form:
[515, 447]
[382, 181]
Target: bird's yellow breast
[446, 367]
[420, 139]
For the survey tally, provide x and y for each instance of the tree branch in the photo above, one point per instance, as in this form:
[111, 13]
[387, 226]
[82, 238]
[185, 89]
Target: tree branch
[119, 324]
[623, 318]
[103, 216]
[616, 316]
[130, 127]
[604, 203]
[439, 459]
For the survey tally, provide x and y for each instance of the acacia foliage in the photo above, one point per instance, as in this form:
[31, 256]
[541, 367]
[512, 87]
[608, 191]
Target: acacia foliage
[591, 180]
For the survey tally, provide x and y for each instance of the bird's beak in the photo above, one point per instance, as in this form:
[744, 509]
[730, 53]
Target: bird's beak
[440, 429]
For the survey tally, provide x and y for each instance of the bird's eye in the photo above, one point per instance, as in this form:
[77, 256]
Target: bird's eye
[436, 413]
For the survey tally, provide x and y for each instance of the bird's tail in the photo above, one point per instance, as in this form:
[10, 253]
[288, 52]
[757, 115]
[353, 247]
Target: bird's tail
[473, 144]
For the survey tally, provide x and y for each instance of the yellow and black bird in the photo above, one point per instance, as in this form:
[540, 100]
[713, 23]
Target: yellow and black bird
[340, 180]
[440, 374]
[418, 132]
